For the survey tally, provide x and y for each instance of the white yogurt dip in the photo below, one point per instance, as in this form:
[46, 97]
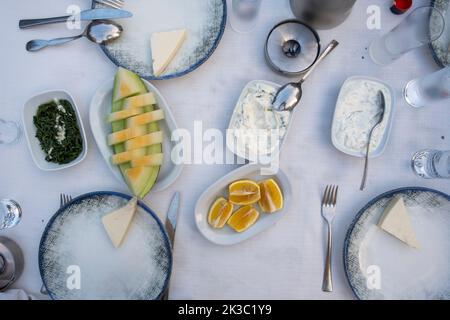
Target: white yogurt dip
[256, 129]
[357, 111]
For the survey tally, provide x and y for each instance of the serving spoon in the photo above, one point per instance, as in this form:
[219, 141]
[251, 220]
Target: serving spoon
[289, 95]
[98, 31]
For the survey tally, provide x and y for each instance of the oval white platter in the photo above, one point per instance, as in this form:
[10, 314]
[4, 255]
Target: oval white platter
[99, 110]
[227, 236]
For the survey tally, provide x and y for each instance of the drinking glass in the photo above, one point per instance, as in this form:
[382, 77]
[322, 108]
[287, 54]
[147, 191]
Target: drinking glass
[244, 15]
[9, 132]
[420, 27]
[431, 164]
[10, 213]
[431, 88]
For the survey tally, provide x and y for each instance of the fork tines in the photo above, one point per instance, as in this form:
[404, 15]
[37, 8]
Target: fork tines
[64, 199]
[116, 4]
[330, 195]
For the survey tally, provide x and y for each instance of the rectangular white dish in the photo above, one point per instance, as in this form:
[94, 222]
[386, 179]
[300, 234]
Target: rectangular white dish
[29, 111]
[387, 122]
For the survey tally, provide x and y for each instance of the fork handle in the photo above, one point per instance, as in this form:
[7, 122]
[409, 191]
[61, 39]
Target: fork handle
[327, 285]
[28, 23]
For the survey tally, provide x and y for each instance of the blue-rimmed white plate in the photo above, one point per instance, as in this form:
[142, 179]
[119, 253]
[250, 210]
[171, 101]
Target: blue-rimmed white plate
[77, 260]
[204, 20]
[441, 47]
[379, 266]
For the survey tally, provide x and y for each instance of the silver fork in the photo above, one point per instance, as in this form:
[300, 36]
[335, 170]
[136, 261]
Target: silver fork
[116, 4]
[328, 212]
[63, 200]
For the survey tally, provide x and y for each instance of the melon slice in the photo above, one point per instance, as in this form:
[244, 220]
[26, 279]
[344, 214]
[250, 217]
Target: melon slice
[124, 114]
[127, 84]
[139, 101]
[145, 118]
[148, 175]
[144, 141]
[128, 156]
[165, 46]
[148, 161]
[126, 134]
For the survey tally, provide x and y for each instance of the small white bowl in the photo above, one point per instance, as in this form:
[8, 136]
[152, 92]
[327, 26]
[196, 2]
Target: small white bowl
[29, 111]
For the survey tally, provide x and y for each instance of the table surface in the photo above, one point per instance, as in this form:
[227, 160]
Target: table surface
[286, 261]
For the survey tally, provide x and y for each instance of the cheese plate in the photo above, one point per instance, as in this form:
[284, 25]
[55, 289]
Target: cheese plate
[379, 265]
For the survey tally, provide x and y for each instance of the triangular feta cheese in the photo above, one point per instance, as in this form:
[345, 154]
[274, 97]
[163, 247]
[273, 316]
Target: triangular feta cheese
[165, 46]
[396, 221]
[118, 222]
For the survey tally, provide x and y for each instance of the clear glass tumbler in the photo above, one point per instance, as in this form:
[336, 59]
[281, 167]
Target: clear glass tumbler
[431, 88]
[9, 132]
[431, 164]
[420, 27]
[10, 213]
[244, 15]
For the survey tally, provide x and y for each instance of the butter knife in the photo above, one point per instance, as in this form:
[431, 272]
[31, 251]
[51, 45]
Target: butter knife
[172, 217]
[86, 15]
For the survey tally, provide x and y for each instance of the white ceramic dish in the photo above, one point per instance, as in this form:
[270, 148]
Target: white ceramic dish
[99, 110]
[227, 236]
[29, 111]
[382, 145]
[230, 137]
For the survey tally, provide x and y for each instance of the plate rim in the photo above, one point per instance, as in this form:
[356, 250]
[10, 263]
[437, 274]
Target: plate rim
[191, 68]
[100, 193]
[364, 209]
[431, 45]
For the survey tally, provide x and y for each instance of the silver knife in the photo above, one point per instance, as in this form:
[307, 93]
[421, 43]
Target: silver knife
[172, 217]
[87, 15]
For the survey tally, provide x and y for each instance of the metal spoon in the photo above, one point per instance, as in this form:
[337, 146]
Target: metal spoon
[290, 94]
[98, 31]
[382, 102]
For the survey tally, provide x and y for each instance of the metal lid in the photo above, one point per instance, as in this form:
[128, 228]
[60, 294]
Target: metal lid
[292, 47]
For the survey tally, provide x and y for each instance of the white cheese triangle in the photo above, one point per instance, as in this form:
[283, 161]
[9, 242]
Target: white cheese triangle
[396, 221]
[118, 222]
[165, 46]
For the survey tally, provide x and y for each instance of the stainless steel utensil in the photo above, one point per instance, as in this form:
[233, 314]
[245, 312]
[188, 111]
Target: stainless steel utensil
[329, 201]
[87, 15]
[63, 200]
[289, 95]
[11, 263]
[117, 4]
[380, 116]
[171, 225]
[98, 31]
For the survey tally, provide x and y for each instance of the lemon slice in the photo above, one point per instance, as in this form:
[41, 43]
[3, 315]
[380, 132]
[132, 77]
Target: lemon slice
[243, 218]
[271, 196]
[219, 213]
[244, 192]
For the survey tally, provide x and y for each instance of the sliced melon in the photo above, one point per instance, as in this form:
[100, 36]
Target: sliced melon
[148, 175]
[148, 161]
[124, 114]
[144, 141]
[128, 156]
[126, 134]
[145, 118]
[139, 101]
[127, 84]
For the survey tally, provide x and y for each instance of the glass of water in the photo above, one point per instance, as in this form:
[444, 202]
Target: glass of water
[420, 27]
[10, 213]
[9, 132]
[431, 88]
[244, 15]
[431, 164]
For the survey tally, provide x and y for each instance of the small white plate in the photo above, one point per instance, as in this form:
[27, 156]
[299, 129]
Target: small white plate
[231, 139]
[29, 111]
[391, 108]
[100, 109]
[227, 236]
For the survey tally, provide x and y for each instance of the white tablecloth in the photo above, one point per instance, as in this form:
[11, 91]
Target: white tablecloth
[285, 262]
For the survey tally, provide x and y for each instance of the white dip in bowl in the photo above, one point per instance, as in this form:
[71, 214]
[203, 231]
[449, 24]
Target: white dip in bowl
[357, 111]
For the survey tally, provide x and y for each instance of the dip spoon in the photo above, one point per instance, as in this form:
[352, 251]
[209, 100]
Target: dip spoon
[289, 95]
[98, 31]
[382, 102]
